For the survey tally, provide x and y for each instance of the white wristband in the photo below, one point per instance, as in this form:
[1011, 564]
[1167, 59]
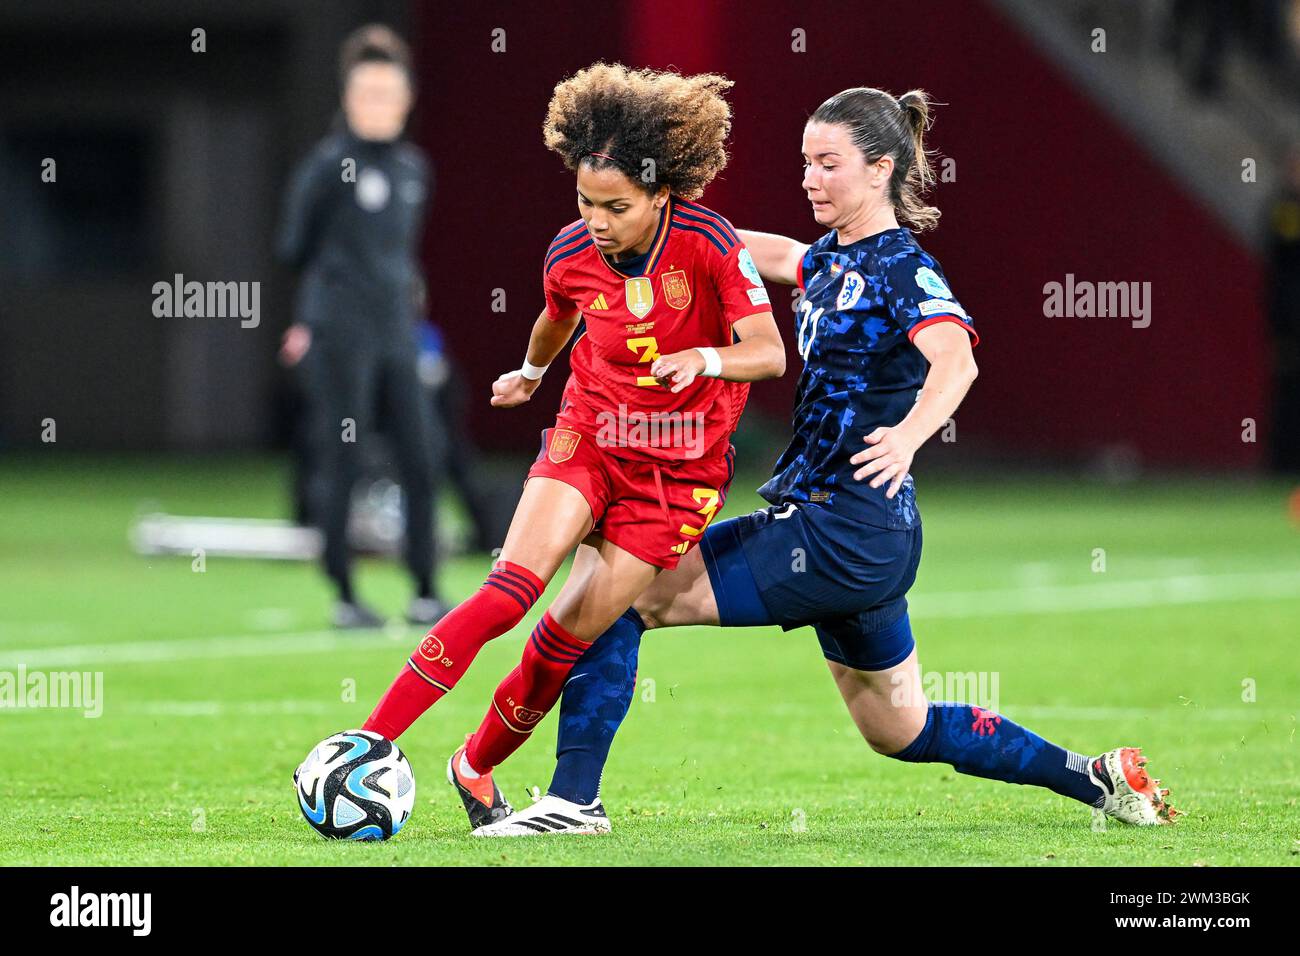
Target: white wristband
[533, 372]
[712, 362]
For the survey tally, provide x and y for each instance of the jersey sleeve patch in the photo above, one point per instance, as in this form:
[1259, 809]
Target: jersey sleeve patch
[930, 283]
[941, 307]
[919, 295]
[740, 287]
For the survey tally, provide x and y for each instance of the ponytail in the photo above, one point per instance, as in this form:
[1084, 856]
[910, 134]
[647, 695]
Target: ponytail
[919, 176]
[881, 125]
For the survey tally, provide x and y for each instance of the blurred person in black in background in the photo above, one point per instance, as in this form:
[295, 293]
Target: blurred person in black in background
[1196, 34]
[351, 224]
[487, 501]
[1284, 316]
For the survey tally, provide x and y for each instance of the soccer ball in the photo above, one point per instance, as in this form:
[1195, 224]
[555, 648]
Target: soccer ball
[355, 785]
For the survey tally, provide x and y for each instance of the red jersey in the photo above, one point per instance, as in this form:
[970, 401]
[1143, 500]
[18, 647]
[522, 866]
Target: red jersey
[696, 281]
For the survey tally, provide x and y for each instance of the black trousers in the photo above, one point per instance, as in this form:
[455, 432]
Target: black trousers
[1285, 446]
[476, 491]
[350, 384]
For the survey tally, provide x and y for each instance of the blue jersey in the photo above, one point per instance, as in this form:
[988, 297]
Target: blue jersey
[862, 305]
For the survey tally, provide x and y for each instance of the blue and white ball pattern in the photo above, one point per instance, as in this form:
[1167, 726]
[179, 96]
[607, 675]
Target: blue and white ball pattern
[355, 785]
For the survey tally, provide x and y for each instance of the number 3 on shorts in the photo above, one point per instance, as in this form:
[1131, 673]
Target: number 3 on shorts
[709, 497]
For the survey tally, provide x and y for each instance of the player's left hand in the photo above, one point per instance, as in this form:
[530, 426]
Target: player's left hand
[889, 458]
[678, 369]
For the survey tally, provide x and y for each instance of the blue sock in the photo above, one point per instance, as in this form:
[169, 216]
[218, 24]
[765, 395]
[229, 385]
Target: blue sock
[984, 744]
[595, 701]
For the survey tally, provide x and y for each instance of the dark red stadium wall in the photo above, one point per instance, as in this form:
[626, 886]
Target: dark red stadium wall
[1045, 185]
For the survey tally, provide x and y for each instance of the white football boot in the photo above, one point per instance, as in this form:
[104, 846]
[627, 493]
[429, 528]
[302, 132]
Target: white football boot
[550, 815]
[1131, 795]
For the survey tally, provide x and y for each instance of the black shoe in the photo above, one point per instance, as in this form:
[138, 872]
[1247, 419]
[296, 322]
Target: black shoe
[483, 800]
[426, 611]
[352, 616]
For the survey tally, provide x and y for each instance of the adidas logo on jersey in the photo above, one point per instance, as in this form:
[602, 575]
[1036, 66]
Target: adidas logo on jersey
[598, 304]
[680, 548]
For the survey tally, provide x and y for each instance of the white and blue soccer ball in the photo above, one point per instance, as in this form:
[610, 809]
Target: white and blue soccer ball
[355, 785]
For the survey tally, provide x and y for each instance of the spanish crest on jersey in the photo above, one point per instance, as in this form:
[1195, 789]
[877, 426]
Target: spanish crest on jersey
[677, 289]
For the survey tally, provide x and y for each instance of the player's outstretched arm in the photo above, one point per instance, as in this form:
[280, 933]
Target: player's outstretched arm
[759, 354]
[548, 338]
[777, 257]
[947, 347]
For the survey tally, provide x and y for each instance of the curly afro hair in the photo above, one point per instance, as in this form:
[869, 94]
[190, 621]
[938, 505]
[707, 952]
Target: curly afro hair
[661, 129]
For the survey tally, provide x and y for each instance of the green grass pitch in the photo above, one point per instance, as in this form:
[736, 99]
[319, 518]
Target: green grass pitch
[737, 750]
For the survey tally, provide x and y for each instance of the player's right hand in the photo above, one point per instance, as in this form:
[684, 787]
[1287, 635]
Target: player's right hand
[513, 389]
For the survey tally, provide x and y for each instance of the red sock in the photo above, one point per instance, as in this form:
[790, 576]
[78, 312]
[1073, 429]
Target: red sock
[526, 695]
[448, 650]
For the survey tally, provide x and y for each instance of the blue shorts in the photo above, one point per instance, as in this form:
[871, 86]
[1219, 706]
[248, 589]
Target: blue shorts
[806, 565]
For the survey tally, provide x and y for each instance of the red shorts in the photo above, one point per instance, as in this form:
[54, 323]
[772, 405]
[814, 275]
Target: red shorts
[656, 511]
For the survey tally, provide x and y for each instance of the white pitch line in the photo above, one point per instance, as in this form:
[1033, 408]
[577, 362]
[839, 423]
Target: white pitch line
[197, 708]
[1108, 595]
[197, 648]
[1279, 721]
[219, 708]
[1054, 599]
